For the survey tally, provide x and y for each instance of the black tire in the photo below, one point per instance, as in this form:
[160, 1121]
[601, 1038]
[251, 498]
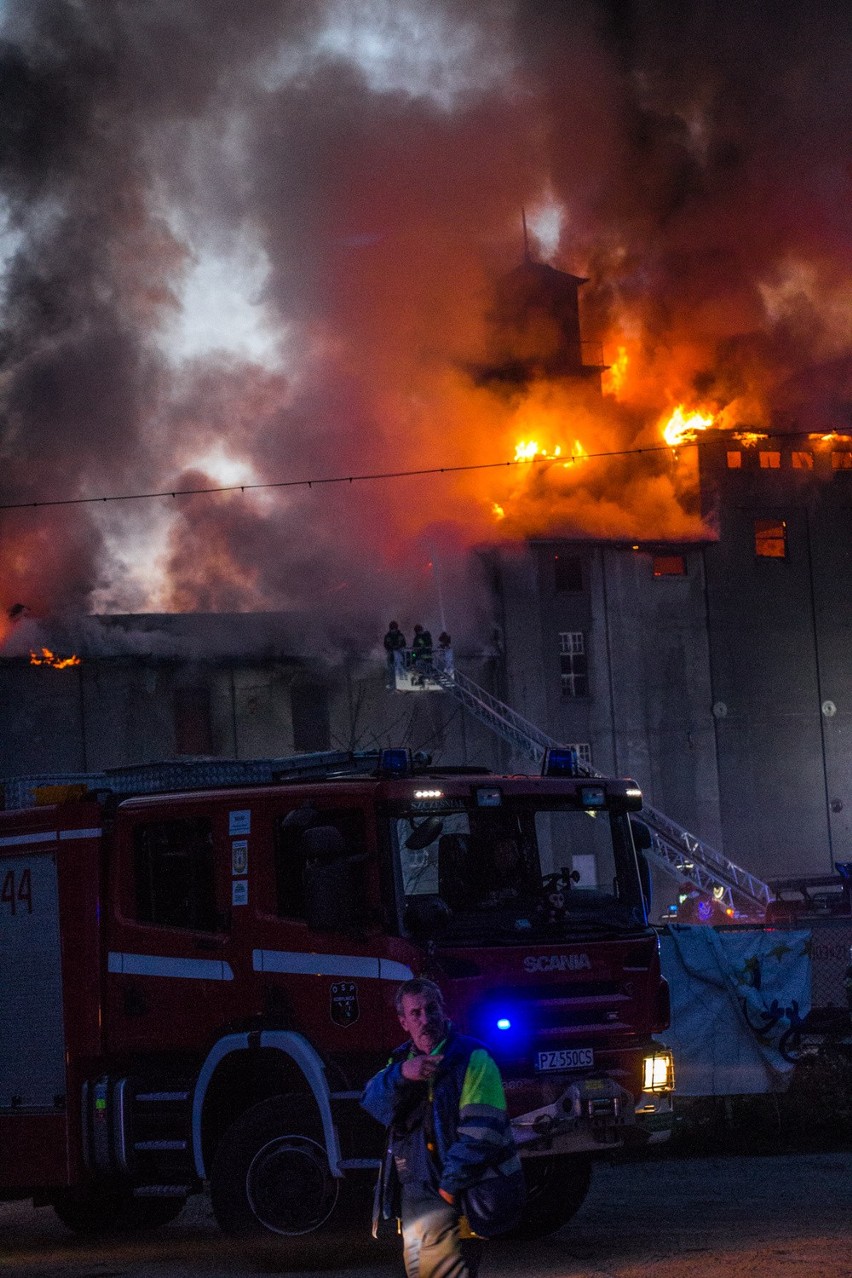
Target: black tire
[270, 1181]
[556, 1190]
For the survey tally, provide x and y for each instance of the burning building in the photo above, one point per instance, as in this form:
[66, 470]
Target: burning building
[253, 366]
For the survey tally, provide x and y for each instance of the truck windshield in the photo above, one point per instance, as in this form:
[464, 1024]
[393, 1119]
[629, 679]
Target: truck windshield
[518, 869]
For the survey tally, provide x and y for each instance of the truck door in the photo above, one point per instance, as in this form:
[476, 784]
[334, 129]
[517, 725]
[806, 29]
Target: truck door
[319, 951]
[32, 1041]
[170, 980]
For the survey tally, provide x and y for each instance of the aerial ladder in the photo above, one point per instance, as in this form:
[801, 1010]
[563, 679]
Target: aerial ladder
[673, 849]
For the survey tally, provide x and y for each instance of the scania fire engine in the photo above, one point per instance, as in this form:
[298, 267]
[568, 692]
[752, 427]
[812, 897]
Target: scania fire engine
[198, 964]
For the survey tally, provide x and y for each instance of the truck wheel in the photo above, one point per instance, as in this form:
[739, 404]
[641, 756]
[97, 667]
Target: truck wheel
[270, 1175]
[556, 1189]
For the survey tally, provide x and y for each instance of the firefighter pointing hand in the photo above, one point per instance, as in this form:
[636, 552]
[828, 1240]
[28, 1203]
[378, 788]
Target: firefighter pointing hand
[448, 1138]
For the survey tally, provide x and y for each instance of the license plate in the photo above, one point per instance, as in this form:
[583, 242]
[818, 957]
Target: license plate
[565, 1058]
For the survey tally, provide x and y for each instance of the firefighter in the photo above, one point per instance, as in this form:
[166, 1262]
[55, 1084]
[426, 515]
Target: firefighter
[394, 647]
[422, 645]
[451, 1173]
[444, 653]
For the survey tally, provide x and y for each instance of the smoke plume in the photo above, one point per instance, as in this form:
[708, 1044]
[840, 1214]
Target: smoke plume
[257, 244]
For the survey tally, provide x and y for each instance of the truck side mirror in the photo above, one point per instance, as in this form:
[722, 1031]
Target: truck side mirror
[642, 841]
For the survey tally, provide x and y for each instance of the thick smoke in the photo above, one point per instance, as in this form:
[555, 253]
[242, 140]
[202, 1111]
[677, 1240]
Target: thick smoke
[377, 162]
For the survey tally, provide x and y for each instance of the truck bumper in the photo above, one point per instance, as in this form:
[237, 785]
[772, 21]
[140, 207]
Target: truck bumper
[591, 1115]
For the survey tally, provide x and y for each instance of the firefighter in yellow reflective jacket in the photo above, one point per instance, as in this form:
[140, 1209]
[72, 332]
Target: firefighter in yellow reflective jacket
[451, 1173]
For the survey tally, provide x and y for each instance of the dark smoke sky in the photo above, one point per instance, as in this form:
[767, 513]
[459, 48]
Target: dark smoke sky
[255, 242]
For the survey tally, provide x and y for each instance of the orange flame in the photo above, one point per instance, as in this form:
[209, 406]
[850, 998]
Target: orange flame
[49, 658]
[682, 427]
[748, 438]
[616, 375]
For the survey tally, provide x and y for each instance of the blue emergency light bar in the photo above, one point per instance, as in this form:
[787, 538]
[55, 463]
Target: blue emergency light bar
[395, 763]
[560, 761]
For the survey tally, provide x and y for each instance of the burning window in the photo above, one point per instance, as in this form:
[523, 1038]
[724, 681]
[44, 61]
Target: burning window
[574, 667]
[769, 459]
[735, 459]
[841, 459]
[568, 573]
[802, 460]
[770, 538]
[669, 565]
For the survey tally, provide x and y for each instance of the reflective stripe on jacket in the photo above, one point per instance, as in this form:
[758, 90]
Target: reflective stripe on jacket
[472, 1132]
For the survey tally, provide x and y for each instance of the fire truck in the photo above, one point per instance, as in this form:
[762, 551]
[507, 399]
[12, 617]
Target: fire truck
[198, 964]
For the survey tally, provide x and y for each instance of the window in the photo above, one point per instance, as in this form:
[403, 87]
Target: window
[735, 459]
[328, 835]
[583, 751]
[802, 460]
[193, 731]
[309, 708]
[669, 565]
[841, 460]
[173, 869]
[572, 658]
[568, 573]
[770, 538]
[769, 460]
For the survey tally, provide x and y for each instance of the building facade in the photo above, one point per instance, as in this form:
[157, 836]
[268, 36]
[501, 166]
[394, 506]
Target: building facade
[718, 674]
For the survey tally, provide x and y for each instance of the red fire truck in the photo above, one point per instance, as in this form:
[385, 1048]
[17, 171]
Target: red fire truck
[198, 963]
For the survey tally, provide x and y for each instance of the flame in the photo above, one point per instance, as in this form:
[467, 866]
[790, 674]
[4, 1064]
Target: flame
[682, 427]
[526, 451]
[530, 451]
[49, 658]
[497, 510]
[749, 438]
[832, 437]
[616, 375]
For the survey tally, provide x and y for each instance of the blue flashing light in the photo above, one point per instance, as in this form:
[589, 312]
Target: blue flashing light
[504, 1023]
[560, 762]
[395, 763]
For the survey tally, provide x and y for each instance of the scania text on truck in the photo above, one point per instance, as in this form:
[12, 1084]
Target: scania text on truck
[198, 963]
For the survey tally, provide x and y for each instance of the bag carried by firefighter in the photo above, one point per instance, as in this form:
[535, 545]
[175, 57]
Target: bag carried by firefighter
[494, 1204]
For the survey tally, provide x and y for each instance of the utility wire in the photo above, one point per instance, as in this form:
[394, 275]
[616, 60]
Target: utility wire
[570, 460]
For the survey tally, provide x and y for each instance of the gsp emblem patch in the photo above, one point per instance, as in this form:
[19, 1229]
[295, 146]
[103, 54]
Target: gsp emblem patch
[344, 1003]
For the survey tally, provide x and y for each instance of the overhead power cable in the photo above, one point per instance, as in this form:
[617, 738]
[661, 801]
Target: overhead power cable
[316, 481]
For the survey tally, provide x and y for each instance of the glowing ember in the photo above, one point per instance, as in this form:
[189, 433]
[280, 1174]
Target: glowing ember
[49, 658]
[682, 427]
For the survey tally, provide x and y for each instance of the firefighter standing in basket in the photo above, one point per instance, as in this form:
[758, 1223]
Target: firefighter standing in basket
[450, 1166]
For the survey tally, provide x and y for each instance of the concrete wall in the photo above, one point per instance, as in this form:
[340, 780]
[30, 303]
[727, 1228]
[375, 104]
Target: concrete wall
[780, 631]
[117, 711]
[725, 692]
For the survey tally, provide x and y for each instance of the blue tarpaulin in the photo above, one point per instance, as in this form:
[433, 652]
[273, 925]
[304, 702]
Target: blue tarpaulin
[734, 993]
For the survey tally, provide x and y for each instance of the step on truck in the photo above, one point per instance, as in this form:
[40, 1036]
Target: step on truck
[198, 964]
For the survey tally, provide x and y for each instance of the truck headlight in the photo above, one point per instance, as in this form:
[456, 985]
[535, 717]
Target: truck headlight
[658, 1072]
